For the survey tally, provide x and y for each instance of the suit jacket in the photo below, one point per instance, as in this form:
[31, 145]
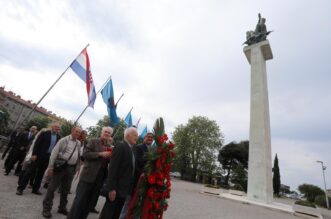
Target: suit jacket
[42, 143]
[25, 141]
[92, 161]
[140, 152]
[120, 171]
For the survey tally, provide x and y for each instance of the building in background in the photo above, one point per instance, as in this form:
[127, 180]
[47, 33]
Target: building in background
[19, 109]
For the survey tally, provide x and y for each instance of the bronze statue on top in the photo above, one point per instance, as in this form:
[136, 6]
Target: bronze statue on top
[259, 34]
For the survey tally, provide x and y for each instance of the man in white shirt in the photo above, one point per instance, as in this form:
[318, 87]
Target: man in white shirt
[68, 148]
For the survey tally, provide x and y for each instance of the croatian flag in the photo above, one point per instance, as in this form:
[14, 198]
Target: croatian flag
[81, 66]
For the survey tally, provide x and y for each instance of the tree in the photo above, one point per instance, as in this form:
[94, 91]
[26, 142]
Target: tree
[67, 126]
[39, 121]
[182, 160]
[276, 177]
[239, 176]
[4, 119]
[233, 154]
[197, 143]
[310, 191]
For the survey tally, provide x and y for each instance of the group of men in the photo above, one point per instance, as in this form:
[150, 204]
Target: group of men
[102, 168]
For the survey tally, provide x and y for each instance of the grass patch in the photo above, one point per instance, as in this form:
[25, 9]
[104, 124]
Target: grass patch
[305, 203]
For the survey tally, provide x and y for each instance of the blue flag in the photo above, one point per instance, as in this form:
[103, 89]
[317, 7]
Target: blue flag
[128, 119]
[143, 133]
[108, 97]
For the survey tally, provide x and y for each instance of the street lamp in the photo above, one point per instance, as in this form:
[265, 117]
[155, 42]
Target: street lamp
[326, 192]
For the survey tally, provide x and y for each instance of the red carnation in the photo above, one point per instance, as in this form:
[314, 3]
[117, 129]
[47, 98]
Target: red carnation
[165, 137]
[150, 192]
[158, 164]
[159, 150]
[157, 205]
[159, 182]
[172, 154]
[160, 139]
[171, 145]
[151, 179]
[168, 184]
[165, 206]
[151, 216]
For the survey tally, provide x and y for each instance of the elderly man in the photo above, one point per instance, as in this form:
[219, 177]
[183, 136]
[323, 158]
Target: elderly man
[120, 175]
[43, 146]
[96, 156]
[68, 149]
[140, 152]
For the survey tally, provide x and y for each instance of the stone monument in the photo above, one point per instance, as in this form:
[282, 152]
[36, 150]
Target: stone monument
[258, 52]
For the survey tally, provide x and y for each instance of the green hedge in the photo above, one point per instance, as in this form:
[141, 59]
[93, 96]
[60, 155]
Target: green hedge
[321, 201]
[305, 203]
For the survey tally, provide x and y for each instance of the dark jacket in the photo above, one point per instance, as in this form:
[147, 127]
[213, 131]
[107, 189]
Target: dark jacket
[42, 144]
[140, 152]
[25, 141]
[92, 161]
[120, 172]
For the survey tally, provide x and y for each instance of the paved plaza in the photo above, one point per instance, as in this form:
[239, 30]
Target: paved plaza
[186, 202]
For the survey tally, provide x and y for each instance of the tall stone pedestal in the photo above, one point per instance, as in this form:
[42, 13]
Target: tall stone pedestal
[259, 166]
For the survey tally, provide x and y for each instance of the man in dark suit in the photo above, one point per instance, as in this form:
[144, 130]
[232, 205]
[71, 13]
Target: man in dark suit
[19, 151]
[12, 144]
[139, 152]
[120, 175]
[96, 157]
[42, 149]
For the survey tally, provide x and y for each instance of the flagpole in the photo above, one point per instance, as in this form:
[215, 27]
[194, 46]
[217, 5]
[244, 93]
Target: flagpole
[51, 87]
[119, 99]
[138, 122]
[103, 86]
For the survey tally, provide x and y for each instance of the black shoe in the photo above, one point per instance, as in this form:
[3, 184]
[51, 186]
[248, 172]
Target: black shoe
[62, 211]
[37, 192]
[94, 211]
[19, 192]
[6, 173]
[47, 214]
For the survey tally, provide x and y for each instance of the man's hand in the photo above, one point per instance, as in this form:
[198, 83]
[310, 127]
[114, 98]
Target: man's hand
[112, 195]
[34, 157]
[105, 154]
[50, 172]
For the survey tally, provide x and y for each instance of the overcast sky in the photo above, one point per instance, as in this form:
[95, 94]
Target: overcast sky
[177, 59]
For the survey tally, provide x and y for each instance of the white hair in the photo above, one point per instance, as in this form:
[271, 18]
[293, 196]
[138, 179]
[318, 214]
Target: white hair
[107, 128]
[129, 131]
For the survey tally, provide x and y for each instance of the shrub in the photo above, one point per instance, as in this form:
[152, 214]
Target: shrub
[305, 203]
[213, 186]
[237, 187]
[321, 201]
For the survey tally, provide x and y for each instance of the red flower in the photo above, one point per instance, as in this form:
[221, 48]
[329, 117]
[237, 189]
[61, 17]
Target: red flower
[157, 205]
[150, 192]
[161, 176]
[158, 164]
[168, 184]
[151, 179]
[165, 206]
[165, 137]
[171, 145]
[151, 216]
[172, 154]
[160, 139]
[159, 150]
[159, 182]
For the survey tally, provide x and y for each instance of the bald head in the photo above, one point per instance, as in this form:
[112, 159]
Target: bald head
[131, 135]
